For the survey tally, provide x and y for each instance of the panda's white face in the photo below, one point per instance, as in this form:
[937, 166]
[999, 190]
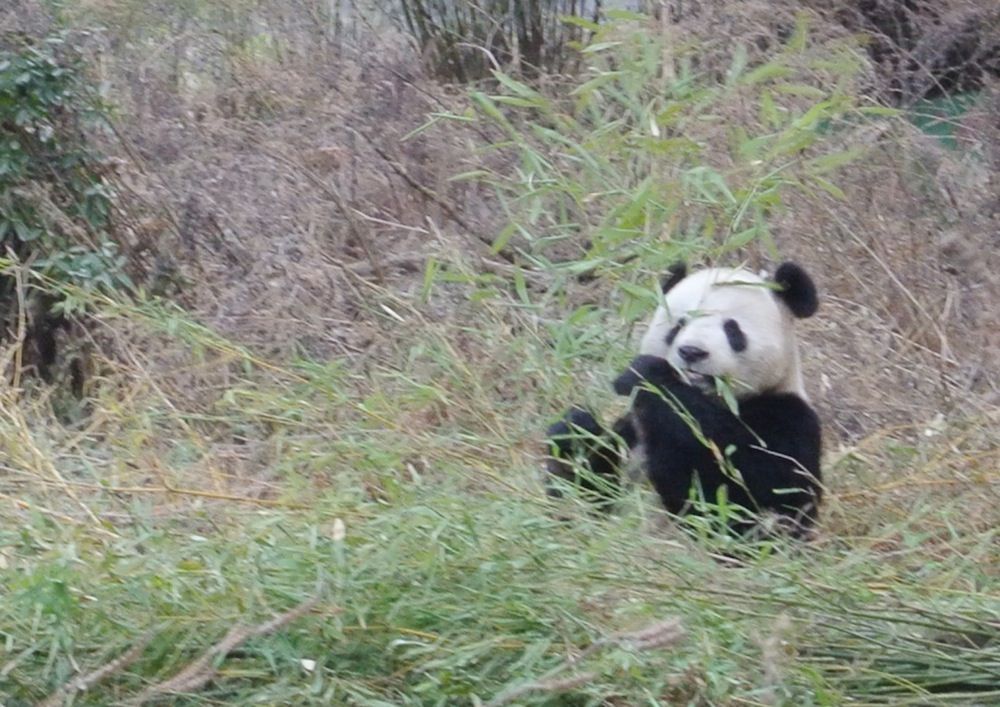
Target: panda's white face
[728, 323]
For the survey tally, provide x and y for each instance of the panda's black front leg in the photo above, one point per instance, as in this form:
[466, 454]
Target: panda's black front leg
[645, 370]
[680, 427]
[584, 453]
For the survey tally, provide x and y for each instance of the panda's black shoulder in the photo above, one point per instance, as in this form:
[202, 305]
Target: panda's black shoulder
[787, 425]
[780, 411]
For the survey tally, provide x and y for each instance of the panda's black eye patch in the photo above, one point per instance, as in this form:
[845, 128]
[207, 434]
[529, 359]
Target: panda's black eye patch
[672, 334]
[737, 339]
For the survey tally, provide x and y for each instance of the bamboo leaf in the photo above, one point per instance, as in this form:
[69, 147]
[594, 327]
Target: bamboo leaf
[503, 238]
[883, 111]
[520, 286]
[642, 294]
[625, 15]
[517, 87]
[471, 175]
[517, 102]
[766, 72]
[580, 22]
[744, 237]
[827, 163]
[430, 274]
[797, 42]
[601, 79]
[768, 110]
[830, 188]
[800, 89]
[599, 47]
[738, 64]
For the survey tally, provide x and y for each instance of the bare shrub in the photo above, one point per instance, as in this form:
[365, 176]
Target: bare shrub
[463, 40]
[267, 169]
[928, 48]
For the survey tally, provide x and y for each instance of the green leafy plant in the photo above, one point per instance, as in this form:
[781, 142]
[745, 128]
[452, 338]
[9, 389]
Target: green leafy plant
[652, 153]
[55, 205]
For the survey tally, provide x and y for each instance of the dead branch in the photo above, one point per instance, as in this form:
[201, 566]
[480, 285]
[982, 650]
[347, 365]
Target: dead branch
[85, 682]
[200, 671]
[657, 635]
[429, 194]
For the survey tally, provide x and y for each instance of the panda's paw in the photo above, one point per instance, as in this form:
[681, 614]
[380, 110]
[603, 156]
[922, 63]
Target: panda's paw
[567, 439]
[583, 454]
[576, 423]
[644, 369]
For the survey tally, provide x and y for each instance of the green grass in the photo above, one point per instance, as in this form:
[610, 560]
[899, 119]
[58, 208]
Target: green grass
[454, 582]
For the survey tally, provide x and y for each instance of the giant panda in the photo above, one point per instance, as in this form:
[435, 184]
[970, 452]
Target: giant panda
[757, 448]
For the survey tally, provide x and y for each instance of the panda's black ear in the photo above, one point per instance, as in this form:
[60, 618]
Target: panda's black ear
[675, 273]
[797, 290]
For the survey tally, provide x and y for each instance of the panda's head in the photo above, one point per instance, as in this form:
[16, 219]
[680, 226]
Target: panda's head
[730, 323]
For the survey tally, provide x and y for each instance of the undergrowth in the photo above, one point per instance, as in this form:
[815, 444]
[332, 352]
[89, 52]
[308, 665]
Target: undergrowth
[406, 504]
[55, 203]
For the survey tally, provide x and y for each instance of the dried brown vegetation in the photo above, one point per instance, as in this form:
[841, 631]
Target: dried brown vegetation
[277, 191]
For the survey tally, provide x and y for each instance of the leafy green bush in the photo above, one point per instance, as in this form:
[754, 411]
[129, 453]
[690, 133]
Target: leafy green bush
[653, 153]
[55, 207]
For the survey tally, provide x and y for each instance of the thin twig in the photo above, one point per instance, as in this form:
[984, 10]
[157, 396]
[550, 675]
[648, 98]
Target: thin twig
[341, 203]
[430, 195]
[657, 635]
[168, 489]
[85, 682]
[200, 672]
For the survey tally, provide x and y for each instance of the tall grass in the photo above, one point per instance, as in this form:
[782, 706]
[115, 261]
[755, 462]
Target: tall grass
[218, 489]
[653, 154]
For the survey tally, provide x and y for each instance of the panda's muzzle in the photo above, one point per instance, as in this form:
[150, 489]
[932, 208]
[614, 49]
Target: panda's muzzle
[692, 354]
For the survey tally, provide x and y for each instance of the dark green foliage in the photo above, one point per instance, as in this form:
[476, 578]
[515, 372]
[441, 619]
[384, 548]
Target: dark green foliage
[55, 208]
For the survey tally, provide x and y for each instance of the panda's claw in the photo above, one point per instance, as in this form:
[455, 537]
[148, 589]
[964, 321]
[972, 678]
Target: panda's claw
[644, 369]
[583, 453]
[575, 420]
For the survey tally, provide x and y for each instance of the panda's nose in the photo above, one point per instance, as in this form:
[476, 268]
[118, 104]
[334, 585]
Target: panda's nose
[692, 354]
